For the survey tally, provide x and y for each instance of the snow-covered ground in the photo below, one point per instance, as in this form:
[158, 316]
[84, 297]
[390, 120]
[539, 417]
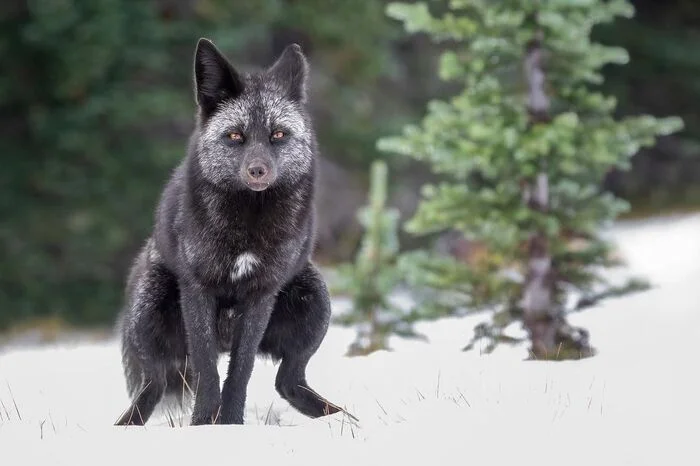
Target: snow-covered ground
[635, 403]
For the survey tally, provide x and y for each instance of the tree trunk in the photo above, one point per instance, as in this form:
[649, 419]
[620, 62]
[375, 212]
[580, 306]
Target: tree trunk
[550, 335]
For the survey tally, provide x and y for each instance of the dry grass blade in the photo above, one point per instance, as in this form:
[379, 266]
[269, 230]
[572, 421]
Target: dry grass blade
[381, 407]
[133, 405]
[53, 426]
[215, 419]
[185, 385]
[463, 397]
[14, 402]
[140, 417]
[267, 416]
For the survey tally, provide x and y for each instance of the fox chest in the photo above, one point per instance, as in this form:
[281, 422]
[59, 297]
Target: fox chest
[243, 265]
[229, 267]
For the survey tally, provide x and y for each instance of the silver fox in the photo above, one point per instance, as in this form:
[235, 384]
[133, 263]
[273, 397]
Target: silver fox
[227, 267]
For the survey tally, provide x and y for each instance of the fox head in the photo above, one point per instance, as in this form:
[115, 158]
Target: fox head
[254, 130]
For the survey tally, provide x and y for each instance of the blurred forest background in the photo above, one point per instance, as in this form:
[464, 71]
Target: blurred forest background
[96, 106]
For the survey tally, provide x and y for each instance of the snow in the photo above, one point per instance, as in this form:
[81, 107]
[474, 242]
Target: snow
[636, 402]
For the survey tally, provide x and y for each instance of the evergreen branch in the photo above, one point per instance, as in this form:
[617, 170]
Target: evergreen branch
[633, 285]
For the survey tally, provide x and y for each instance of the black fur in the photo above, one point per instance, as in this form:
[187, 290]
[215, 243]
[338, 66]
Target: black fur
[187, 298]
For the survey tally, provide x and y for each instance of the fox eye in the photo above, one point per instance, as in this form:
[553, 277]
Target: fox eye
[235, 136]
[278, 135]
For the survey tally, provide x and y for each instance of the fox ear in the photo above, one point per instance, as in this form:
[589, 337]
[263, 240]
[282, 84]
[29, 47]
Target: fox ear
[291, 70]
[215, 78]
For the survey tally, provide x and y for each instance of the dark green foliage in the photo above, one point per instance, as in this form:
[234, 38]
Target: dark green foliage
[494, 150]
[80, 165]
[96, 106]
[661, 79]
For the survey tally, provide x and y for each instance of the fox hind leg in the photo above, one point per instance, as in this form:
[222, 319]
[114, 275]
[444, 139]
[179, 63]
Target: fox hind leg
[297, 327]
[152, 337]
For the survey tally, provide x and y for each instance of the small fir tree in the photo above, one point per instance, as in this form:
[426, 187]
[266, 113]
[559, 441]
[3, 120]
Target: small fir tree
[522, 150]
[373, 275]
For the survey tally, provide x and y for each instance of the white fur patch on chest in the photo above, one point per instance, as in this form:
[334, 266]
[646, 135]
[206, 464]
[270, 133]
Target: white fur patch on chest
[244, 265]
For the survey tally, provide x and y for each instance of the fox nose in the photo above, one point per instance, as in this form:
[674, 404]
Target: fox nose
[257, 170]
[258, 173]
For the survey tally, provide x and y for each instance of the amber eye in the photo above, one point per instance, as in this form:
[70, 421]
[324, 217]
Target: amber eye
[277, 135]
[235, 136]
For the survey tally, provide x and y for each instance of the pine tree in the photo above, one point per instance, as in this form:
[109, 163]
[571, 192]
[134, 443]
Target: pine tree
[522, 150]
[373, 276]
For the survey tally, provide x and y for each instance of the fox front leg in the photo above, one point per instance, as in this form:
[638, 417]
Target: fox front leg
[198, 312]
[247, 335]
